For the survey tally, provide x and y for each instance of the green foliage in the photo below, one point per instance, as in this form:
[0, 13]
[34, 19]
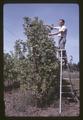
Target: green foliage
[10, 68]
[34, 62]
[42, 58]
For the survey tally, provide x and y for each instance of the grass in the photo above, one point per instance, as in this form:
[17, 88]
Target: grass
[17, 103]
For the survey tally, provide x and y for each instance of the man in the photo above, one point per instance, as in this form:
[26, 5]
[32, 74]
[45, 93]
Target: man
[62, 33]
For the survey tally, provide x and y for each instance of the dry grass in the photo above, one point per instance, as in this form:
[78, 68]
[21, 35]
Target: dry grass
[17, 103]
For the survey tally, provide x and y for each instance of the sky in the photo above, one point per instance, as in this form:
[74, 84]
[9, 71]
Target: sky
[13, 15]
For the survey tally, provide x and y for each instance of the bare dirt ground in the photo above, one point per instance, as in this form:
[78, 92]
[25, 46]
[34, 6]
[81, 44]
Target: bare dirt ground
[17, 104]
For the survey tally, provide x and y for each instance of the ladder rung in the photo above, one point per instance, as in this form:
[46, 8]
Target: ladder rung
[67, 85]
[68, 95]
[67, 92]
[63, 57]
[72, 99]
[61, 50]
[66, 79]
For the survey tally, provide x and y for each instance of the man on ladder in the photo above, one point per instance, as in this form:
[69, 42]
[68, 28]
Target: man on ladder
[62, 33]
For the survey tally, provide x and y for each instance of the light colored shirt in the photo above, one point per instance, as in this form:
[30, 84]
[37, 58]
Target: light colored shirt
[62, 29]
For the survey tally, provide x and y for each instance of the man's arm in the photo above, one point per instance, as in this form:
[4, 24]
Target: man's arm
[52, 27]
[57, 28]
[50, 34]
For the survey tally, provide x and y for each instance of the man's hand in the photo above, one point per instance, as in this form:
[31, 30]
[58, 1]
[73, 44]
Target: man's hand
[51, 27]
[50, 34]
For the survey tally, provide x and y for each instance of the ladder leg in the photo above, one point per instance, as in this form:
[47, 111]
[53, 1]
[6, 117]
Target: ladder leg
[72, 88]
[60, 84]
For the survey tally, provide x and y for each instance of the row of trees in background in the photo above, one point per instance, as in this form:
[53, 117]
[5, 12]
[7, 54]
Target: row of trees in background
[34, 63]
[74, 67]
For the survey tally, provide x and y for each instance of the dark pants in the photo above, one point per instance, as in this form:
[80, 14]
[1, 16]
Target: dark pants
[62, 42]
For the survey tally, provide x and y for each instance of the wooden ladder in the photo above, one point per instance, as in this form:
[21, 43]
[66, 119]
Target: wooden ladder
[69, 92]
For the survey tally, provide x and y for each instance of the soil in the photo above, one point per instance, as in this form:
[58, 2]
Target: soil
[17, 104]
